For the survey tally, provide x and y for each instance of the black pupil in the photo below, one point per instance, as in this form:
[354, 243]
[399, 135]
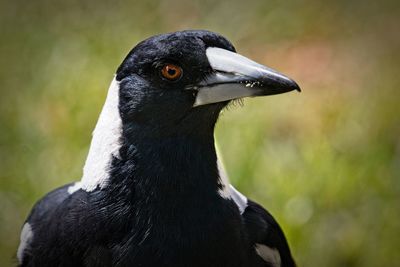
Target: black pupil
[171, 72]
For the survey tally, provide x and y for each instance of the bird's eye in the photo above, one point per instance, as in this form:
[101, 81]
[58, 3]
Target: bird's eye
[171, 72]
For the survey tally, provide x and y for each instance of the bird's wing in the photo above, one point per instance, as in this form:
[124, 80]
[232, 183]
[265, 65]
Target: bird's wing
[66, 225]
[264, 232]
[40, 214]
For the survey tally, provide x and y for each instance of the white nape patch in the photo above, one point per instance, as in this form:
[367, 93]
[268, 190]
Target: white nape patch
[270, 255]
[231, 62]
[26, 238]
[105, 142]
[75, 187]
[224, 181]
[239, 199]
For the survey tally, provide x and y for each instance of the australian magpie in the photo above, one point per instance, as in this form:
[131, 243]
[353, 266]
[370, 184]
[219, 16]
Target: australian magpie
[153, 192]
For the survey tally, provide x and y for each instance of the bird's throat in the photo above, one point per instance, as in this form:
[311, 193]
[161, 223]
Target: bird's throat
[175, 168]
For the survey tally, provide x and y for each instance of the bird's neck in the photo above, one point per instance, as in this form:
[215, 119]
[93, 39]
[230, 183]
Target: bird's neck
[169, 168]
[124, 153]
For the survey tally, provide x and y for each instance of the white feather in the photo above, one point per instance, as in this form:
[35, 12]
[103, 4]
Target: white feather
[105, 142]
[26, 238]
[75, 187]
[270, 255]
[224, 181]
[239, 199]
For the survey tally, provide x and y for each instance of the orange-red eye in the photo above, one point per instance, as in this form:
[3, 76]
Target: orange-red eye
[171, 72]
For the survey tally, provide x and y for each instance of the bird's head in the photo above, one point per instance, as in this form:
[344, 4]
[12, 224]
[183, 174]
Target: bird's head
[178, 83]
[169, 91]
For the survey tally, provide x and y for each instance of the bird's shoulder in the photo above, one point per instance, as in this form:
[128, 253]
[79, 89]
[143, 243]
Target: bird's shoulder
[264, 232]
[67, 213]
[38, 217]
[49, 203]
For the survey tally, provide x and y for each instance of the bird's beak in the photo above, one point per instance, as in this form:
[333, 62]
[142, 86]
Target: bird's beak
[235, 76]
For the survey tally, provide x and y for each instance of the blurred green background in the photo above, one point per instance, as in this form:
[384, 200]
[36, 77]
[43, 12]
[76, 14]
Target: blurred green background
[325, 162]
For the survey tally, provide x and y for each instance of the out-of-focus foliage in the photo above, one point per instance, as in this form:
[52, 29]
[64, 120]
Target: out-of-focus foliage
[325, 162]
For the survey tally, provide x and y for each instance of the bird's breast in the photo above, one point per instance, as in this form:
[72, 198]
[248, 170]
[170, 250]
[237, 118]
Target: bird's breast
[208, 235]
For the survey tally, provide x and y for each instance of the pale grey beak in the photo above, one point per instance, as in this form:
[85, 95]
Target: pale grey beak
[235, 76]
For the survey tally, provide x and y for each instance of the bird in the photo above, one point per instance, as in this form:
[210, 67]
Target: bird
[153, 190]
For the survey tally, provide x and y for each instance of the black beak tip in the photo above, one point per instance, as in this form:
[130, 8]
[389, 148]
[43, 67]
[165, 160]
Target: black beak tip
[292, 85]
[296, 87]
[284, 86]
